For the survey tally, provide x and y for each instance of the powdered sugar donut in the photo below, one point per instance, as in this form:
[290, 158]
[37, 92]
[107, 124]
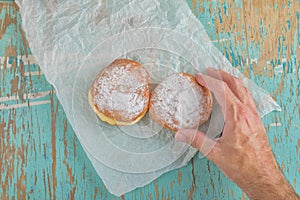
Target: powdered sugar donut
[120, 93]
[179, 102]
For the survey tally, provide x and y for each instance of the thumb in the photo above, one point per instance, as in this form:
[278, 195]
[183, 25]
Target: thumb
[196, 139]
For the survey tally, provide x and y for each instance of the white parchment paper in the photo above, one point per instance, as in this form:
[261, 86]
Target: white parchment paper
[72, 40]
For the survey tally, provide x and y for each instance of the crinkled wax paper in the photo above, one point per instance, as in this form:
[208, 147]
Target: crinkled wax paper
[72, 40]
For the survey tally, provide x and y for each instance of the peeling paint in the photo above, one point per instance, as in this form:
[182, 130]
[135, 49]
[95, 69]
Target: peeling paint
[41, 157]
[179, 177]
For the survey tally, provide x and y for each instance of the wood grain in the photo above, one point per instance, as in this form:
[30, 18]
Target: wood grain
[41, 158]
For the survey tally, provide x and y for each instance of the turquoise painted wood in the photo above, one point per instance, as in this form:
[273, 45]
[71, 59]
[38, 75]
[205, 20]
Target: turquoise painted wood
[41, 158]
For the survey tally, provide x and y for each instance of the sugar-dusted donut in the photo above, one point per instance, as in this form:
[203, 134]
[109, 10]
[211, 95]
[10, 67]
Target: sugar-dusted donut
[120, 93]
[179, 102]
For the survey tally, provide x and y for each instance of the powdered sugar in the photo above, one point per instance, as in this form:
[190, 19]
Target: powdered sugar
[120, 90]
[178, 102]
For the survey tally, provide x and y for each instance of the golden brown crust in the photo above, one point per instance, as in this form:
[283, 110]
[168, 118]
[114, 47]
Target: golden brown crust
[120, 92]
[109, 120]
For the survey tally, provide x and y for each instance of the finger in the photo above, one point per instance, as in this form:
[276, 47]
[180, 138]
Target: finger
[235, 84]
[197, 140]
[227, 100]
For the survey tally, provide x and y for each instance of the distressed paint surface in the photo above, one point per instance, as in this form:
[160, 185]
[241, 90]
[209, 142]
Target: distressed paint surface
[41, 158]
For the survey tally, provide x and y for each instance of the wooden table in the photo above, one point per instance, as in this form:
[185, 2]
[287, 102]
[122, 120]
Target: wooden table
[41, 158]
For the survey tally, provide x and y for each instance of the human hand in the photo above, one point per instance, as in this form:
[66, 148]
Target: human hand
[243, 152]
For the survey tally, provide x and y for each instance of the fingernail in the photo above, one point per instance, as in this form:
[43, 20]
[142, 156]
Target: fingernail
[200, 79]
[180, 137]
[199, 76]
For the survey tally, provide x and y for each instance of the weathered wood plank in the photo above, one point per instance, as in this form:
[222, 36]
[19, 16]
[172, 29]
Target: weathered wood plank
[41, 158]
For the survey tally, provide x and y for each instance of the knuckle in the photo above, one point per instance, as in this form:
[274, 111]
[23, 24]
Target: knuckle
[238, 81]
[243, 112]
[234, 81]
[225, 86]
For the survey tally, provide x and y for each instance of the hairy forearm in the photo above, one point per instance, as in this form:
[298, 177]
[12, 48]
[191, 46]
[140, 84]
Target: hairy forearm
[273, 187]
[263, 179]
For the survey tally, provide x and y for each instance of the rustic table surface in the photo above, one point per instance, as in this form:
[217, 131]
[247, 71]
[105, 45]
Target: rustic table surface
[41, 158]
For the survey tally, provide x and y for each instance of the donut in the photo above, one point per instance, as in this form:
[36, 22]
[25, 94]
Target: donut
[179, 102]
[120, 93]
